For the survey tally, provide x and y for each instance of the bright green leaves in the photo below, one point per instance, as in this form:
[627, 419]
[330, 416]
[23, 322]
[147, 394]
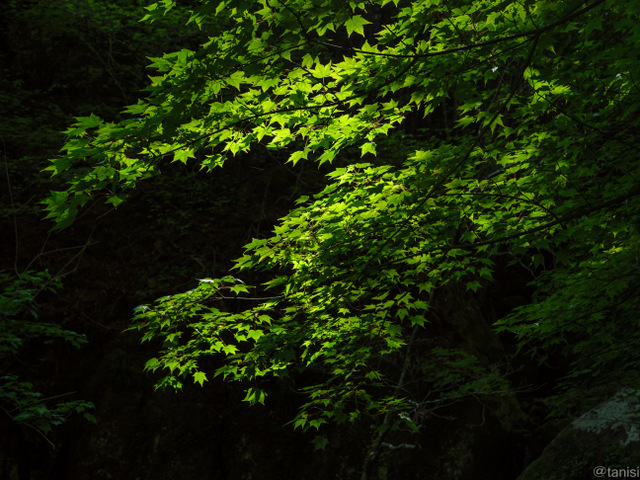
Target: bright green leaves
[191, 327]
[183, 155]
[84, 124]
[63, 209]
[158, 9]
[356, 25]
[252, 84]
[255, 395]
[519, 144]
[199, 377]
[368, 148]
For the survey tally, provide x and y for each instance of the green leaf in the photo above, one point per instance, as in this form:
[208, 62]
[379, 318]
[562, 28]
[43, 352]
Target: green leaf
[199, 377]
[183, 155]
[320, 442]
[368, 148]
[115, 200]
[255, 395]
[356, 24]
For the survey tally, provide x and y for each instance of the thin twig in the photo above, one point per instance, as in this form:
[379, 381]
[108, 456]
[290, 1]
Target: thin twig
[13, 212]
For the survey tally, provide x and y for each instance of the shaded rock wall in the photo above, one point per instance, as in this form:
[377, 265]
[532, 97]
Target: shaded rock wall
[602, 443]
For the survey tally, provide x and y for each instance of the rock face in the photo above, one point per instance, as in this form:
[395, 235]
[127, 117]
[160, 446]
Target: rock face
[602, 443]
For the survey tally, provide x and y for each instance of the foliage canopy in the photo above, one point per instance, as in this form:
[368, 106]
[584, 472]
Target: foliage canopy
[486, 129]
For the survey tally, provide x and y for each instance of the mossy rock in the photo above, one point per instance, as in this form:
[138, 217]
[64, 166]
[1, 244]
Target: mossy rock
[606, 437]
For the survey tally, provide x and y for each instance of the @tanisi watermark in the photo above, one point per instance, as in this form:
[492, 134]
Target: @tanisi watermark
[611, 472]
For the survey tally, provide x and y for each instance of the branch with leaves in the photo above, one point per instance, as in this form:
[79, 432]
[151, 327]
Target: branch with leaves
[509, 156]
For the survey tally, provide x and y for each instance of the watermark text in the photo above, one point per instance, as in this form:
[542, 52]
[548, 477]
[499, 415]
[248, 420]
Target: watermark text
[610, 472]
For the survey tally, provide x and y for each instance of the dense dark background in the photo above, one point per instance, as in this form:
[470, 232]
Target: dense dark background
[76, 57]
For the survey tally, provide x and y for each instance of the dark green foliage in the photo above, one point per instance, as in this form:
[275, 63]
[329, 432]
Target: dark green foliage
[56, 59]
[19, 325]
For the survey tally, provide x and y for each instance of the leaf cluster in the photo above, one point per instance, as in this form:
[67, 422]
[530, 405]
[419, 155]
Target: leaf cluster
[532, 155]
